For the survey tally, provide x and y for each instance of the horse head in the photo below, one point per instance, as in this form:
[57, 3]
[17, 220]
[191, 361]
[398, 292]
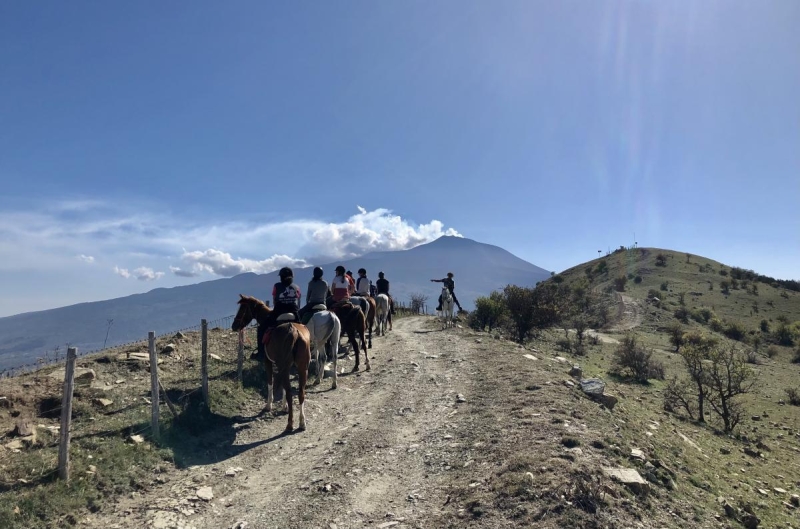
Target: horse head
[446, 294]
[249, 308]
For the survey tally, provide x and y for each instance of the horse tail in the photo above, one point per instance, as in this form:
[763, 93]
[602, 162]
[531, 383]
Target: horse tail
[336, 333]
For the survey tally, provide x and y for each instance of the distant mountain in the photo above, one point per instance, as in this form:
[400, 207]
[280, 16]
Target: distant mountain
[478, 268]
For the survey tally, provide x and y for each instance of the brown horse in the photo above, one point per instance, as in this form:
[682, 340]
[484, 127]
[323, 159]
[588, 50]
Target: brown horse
[354, 324]
[289, 343]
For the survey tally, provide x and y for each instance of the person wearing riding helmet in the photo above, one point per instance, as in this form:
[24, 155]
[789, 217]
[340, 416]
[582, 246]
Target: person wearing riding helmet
[285, 299]
[451, 286]
[362, 283]
[340, 286]
[382, 287]
[286, 295]
[317, 292]
[352, 281]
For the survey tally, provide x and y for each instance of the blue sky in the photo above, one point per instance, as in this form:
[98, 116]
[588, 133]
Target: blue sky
[156, 144]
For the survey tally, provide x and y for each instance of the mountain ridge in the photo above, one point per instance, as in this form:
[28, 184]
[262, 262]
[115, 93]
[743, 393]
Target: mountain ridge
[479, 268]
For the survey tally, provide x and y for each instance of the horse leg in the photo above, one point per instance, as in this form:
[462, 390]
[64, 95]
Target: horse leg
[302, 378]
[366, 358]
[351, 336]
[335, 346]
[269, 383]
[287, 387]
[370, 332]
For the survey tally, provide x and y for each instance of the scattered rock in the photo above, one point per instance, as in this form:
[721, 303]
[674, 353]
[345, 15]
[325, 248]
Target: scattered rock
[795, 500]
[460, 398]
[779, 490]
[24, 428]
[6, 403]
[561, 359]
[756, 417]
[576, 371]
[136, 439]
[628, 477]
[205, 493]
[637, 453]
[763, 492]
[593, 387]
[569, 383]
[388, 524]
[16, 444]
[103, 403]
[608, 400]
[179, 336]
[530, 357]
[725, 450]
[168, 349]
[82, 377]
[215, 357]
[750, 521]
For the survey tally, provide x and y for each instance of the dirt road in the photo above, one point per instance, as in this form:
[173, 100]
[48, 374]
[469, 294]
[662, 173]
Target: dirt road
[376, 450]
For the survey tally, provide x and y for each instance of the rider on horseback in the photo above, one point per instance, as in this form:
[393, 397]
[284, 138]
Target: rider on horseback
[340, 286]
[382, 287]
[451, 285]
[362, 283]
[285, 300]
[316, 294]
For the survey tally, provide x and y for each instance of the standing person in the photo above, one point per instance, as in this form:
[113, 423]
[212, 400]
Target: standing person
[340, 286]
[451, 286]
[317, 292]
[362, 283]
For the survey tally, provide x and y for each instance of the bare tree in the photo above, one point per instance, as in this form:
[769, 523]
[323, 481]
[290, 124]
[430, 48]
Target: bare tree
[728, 376]
[417, 302]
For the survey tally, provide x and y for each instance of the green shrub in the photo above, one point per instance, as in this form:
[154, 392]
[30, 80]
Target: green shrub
[635, 360]
[665, 286]
[637, 279]
[682, 314]
[716, 325]
[734, 331]
[796, 357]
[702, 315]
[772, 351]
[793, 395]
[764, 326]
[723, 272]
[619, 283]
[652, 293]
[661, 260]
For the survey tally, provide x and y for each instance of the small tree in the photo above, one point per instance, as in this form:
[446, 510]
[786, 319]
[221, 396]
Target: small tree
[695, 352]
[676, 332]
[764, 325]
[728, 376]
[580, 325]
[634, 360]
[661, 260]
[619, 283]
[417, 302]
[488, 311]
[520, 306]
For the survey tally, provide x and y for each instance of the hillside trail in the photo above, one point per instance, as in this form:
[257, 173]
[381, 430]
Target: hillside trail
[374, 451]
[629, 313]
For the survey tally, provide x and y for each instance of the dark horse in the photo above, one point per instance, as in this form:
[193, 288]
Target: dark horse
[369, 308]
[354, 324]
[289, 343]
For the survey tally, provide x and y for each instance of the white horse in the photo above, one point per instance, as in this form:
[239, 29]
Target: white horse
[325, 329]
[382, 312]
[447, 308]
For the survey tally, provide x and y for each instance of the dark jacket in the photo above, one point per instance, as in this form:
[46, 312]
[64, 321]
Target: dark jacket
[286, 298]
[383, 286]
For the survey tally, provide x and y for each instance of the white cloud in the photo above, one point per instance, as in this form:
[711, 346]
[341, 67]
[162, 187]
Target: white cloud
[143, 273]
[145, 237]
[178, 271]
[223, 264]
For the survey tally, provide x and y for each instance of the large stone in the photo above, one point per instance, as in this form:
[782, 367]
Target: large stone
[24, 428]
[608, 400]
[576, 371]
[82, 377]
[6, 403]
[628, 477]
[103, 403]
[205, 493]
[593, 386]
[168, 349]
[750, 521]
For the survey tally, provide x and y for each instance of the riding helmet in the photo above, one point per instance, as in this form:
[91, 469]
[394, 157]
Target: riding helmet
[380, 275]
[285, 272]
[362, 271]
[340, 268]
[449, 274]
[318, 272]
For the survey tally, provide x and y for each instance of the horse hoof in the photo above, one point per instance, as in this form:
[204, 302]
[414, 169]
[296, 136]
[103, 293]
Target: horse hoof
[355, 368]
[301, 428]
[368, 368]
[315, 383]
[288, 429]
[334, 386]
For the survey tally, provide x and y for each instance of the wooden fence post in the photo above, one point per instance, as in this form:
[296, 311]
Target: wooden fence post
[240, 358]
[66, 414]
[154, 392]
[204, 359]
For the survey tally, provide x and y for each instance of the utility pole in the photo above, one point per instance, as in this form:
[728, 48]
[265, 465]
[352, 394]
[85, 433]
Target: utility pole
[108, 329]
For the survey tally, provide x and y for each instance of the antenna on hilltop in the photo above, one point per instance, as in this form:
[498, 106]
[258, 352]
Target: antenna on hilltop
[598, 253]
